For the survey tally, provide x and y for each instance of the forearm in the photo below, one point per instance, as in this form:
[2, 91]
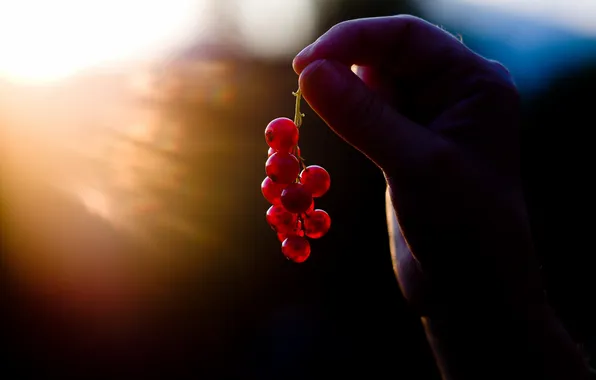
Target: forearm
[486, 345]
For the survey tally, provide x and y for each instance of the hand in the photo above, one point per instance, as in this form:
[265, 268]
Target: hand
[442, 124]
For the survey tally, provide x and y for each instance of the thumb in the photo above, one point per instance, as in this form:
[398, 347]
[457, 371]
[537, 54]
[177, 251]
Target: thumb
[361, 117]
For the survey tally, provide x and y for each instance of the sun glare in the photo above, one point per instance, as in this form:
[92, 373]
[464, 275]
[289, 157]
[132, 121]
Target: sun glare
[44, 40]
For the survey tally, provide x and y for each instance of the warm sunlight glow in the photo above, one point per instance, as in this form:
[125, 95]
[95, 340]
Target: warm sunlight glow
[43, 40]
[95, 202]
[273, 28]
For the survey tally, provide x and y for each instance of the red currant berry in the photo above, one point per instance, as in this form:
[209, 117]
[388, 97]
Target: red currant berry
[272, 191]
[296, 248]
[296, 198]
[282, 167]
[296, 231]
[316, 224]
[310, 208]
[316, 180]
[281, 134]
[280, 219]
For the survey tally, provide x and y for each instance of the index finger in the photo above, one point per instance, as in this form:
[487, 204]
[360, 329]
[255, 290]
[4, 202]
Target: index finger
[409, 45]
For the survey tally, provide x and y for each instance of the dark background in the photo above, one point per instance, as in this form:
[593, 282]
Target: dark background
[199, 288]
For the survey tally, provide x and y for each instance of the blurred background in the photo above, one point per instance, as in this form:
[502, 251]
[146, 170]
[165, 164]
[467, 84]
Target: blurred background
[134, 241]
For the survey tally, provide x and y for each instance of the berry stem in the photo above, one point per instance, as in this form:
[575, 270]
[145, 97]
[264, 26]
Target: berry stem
[298, 121]
[298, 115]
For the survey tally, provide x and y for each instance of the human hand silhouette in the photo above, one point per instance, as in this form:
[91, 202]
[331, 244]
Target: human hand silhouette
[442, 124]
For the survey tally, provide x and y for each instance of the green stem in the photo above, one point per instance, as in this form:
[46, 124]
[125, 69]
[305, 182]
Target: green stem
[298, 121]
[298, 115]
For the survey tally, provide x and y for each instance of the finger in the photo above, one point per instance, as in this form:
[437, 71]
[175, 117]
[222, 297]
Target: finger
[365, 120]
[410, 45]
[377, 81]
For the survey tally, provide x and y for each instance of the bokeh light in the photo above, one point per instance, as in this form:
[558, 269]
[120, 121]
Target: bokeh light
[274, 28]
[48, 40]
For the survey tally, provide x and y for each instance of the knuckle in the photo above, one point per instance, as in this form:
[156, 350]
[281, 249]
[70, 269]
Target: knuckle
[408, 18]
[343, 33]
[493, 79]
[499, 66]
[502, 78]
[341, 27]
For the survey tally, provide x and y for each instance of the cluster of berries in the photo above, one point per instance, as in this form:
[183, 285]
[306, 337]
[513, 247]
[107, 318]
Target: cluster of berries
[291, 187]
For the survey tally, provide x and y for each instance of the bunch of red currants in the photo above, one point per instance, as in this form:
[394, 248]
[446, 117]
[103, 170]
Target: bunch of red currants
[291, 191]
